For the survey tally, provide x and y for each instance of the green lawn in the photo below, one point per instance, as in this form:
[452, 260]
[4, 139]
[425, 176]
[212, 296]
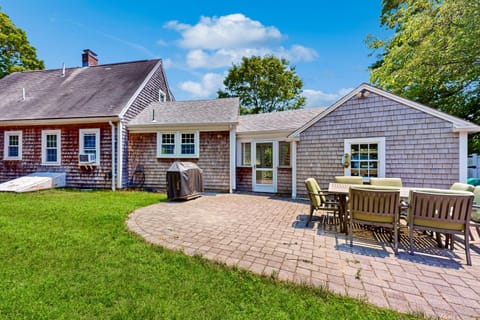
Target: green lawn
[68, 255]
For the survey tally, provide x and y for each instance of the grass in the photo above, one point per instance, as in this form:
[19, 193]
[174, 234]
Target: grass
[67, 254]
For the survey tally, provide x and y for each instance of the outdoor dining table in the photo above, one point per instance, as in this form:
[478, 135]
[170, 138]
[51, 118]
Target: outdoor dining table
[341, 191]
[343, 188]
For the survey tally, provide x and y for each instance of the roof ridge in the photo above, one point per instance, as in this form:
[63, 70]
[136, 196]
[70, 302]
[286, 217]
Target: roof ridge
[79, 67]
[197, 100]
[284, 111]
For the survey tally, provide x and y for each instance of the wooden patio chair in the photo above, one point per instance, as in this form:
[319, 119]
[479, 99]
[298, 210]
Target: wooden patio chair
[320, 200]
[348, 179]
[377, 207]
[445, 212]
[386, 182]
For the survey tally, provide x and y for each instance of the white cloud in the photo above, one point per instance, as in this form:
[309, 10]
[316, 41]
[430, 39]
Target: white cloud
[220, 58]
[318, 98]
[299, 53]
[217, 42]
[225, 32]
[199, 58]
[209, 84]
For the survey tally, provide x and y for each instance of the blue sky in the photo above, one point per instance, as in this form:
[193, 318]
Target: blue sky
[199, 40]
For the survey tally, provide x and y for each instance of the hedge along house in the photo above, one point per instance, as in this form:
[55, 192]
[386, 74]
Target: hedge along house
[201, 131]
[385, 136]
[72, 120]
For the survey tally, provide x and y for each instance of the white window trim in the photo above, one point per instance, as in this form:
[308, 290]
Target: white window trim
[178, 145]
[381, 152]
[278, 151]
[81, 148]
[240, 154]
[6, 140]
[44, 147]
[160, 95]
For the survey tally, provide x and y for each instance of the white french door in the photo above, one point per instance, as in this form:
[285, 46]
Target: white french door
[264, 174]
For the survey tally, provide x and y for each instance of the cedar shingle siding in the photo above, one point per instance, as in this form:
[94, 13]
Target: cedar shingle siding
[109, 87]
[213, 160]
[419, 148]
[76, 176]
[150, 93]
[244, 179]
[284, 181]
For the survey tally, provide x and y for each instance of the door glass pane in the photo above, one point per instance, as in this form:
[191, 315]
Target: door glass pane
[264, 155]
[264, 177]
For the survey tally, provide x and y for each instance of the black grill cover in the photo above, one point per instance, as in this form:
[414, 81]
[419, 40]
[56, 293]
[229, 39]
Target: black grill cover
[184, 181]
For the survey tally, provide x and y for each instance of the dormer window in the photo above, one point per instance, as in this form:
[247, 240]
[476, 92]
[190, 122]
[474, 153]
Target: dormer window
[162, 97]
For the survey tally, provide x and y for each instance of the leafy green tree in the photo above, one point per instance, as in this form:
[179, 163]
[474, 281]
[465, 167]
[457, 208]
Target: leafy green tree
[264, 84]
[433, 56]
[16, 53]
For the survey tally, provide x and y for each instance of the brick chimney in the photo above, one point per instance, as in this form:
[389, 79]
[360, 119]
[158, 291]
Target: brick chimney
[89, 58]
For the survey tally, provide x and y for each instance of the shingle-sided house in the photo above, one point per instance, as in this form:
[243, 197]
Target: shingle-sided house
[201, 131]
[72, 120]
[385, 136]
[265, 138]
[116, 125]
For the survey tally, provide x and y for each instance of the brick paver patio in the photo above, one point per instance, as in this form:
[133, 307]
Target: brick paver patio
[267, 235]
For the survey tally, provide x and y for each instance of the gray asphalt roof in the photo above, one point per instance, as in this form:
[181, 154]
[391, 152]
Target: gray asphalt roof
[97, 91]
[277, 121]
[195, 112]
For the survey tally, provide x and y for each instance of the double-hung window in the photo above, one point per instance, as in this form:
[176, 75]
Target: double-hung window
[51, 147]
[246, 154]
[188, 143]
[90, 144]
[167, 144]
[284, 154]
[12, 145]
[178, 144]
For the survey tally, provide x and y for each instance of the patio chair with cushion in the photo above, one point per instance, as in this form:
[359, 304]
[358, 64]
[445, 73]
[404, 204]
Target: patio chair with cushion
[386, 182]
[348, 179]
[442, 212]
[476, 205]
[475, 218]
[320, 200]
[462, 187]
[377, 207]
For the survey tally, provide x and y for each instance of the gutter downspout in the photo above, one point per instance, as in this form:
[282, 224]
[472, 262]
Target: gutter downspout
[233, 167]
[113, 155]
[463, 157]
[294, 169]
